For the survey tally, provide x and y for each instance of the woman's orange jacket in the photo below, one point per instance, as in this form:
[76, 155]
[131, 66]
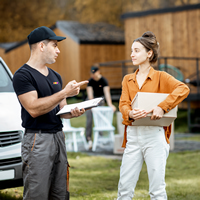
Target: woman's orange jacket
[156, 82]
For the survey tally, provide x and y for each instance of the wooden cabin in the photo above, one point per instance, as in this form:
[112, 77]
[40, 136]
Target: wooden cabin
[177, 30]
[15, 54]
[86, 44]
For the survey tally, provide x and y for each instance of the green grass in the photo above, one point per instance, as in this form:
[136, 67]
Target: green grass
[11, 194]
[93, 177]
[97, 178]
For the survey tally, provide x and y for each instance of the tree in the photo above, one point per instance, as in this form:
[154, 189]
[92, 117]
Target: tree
[19, 17]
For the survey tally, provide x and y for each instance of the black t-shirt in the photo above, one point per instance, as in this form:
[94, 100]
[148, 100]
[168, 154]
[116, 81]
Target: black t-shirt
[98, 86]
[28, 79]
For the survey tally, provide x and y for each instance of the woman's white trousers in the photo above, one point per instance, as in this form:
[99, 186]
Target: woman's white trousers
[144, 143]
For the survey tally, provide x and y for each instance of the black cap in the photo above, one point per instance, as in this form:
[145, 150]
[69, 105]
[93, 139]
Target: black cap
[94, 69]
[43, 33]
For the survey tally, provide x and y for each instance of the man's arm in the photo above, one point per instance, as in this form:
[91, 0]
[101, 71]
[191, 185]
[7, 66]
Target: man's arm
[38, 106]
[89, 90]
[107, 95]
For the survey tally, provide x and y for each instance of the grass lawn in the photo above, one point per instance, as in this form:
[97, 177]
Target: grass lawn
[96, 178]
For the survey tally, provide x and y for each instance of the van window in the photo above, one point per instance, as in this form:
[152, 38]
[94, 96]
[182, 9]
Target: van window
[5, 80]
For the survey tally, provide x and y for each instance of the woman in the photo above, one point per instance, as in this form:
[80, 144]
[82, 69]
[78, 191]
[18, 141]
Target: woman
[146, 143]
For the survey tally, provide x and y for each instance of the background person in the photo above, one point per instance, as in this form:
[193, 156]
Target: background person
[97, 87]
[39, 90]
[146, 143]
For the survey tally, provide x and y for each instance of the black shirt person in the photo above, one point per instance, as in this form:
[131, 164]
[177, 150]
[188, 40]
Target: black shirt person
[97, 87]
[39, 90]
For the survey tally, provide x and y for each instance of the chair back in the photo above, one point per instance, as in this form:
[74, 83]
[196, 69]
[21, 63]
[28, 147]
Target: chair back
[73, 136]
[66, 123]
[103, 116]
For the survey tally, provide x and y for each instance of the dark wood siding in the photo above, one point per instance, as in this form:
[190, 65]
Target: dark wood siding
[178, 34]
[91, 54]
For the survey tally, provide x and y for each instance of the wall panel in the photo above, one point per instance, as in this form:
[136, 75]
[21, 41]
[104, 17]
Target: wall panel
[91, 54]
[178, 34]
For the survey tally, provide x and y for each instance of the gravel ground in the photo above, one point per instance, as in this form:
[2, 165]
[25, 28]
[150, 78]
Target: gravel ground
[185, 145]
[180, 145]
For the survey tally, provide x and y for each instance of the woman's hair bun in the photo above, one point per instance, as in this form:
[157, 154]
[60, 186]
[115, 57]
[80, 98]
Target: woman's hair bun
[149, 34]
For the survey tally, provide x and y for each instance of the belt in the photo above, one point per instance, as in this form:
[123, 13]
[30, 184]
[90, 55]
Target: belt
[42, 131]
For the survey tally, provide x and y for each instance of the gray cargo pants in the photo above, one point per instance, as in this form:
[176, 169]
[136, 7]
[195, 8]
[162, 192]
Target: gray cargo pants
[44, 166]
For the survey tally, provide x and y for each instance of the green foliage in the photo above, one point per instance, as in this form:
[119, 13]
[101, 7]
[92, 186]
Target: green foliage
[19, 18]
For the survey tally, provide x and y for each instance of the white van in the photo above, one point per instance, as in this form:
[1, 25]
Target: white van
[11, 132]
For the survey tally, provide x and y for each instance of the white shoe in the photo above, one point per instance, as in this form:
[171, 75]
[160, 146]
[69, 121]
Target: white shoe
[90, 144]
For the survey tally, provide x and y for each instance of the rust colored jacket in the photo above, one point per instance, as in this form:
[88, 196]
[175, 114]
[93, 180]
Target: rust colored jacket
[156, 82]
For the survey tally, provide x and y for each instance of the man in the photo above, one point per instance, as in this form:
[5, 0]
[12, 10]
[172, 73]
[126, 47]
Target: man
[39, 90]
[97, 87]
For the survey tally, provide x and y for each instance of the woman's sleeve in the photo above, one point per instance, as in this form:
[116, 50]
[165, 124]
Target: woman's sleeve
[177, 90]
[125, 102]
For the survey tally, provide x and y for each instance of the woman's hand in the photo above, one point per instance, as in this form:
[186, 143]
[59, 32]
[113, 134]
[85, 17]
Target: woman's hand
[158, 113]
[137, 113]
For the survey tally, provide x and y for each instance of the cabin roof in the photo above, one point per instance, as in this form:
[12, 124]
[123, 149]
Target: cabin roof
[98, 33]
[160, 11]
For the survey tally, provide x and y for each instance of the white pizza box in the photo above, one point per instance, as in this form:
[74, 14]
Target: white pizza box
[118, 144]
[147, 101]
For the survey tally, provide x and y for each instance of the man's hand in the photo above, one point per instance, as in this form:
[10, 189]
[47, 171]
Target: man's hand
[158, 113]
[76, 112]
[136, 114]
[73, 88]
[113, 107]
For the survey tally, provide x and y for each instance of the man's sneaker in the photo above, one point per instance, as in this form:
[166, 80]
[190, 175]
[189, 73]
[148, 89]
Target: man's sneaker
[90, 144]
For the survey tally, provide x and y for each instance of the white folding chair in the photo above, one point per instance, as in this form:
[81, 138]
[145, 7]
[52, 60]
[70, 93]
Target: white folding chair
[103, 117]
[73, 136]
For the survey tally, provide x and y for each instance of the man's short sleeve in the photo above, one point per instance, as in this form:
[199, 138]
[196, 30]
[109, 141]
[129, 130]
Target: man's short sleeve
[90, 82]
[105, 82]
[22, 83]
